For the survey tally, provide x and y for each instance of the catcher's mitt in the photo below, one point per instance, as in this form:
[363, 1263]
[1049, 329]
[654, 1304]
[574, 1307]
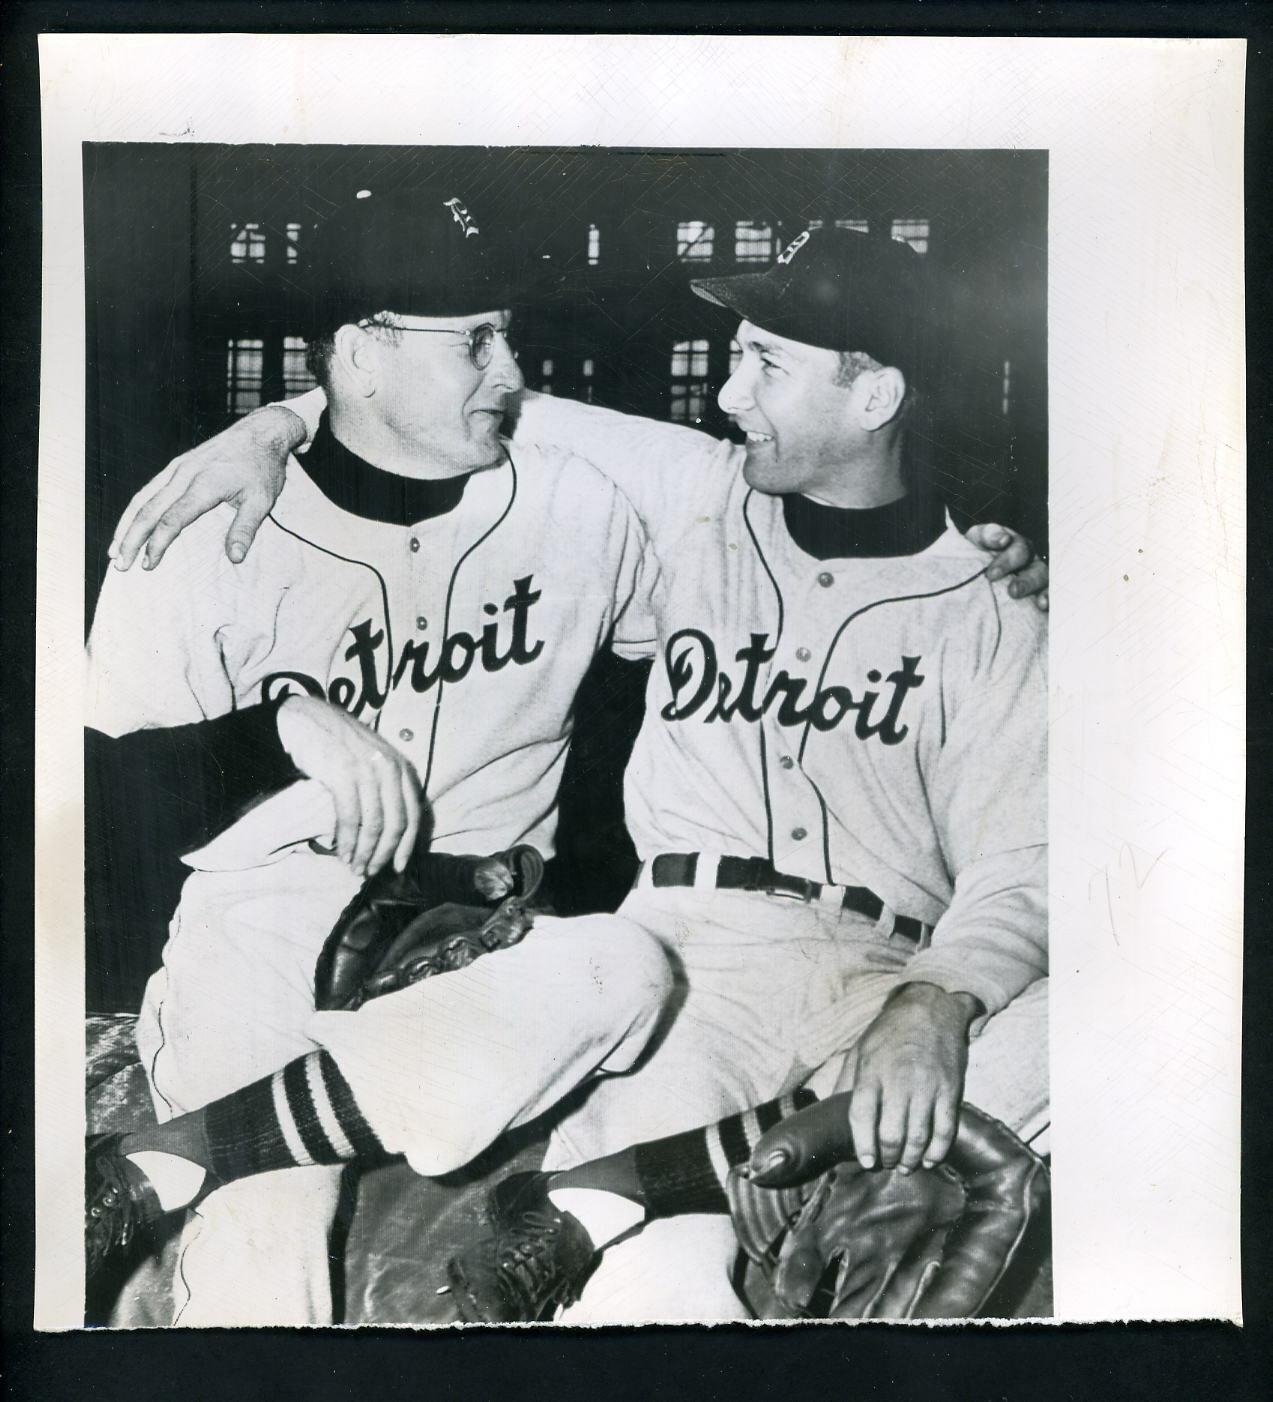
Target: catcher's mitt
[404, 927]
[829, 1239]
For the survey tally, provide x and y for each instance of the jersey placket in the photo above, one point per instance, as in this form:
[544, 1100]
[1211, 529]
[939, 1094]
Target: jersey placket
[798, 819]
[418, 590]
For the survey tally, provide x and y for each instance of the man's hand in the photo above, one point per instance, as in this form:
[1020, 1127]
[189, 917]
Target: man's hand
[374, 789]
[244, 465]
[1015, 556]
[909, 1077]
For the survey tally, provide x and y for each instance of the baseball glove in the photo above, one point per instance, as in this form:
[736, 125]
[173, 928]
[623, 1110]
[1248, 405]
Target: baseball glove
[827, 1238]
[404, 927]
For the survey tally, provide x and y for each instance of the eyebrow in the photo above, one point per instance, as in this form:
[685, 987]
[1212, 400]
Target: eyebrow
[764, 347]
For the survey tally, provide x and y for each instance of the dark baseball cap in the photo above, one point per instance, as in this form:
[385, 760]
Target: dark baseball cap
[417, 252]
[840, 290]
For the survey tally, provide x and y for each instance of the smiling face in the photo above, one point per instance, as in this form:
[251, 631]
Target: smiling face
[803, 427]
[431, 401]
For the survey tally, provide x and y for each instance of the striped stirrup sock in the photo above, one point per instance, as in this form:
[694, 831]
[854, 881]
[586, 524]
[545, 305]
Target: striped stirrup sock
[687, 1172]
[303, 1115]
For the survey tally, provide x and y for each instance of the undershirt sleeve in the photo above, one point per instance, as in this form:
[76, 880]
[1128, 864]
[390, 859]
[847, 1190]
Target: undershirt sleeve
[187, 782]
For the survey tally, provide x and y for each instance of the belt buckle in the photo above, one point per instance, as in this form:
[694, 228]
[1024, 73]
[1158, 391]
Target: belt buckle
[808, 888]
[759, 876]
[778, 883]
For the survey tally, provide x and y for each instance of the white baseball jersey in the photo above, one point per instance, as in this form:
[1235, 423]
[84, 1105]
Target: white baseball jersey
[859, 721]
[862, 721]
[462, 639]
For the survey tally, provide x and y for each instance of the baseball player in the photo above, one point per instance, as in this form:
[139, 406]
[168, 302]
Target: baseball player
[837, 793]
[407, 619]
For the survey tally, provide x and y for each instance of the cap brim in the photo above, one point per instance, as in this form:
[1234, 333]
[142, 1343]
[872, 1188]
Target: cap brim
[754, 297]
[751, 295]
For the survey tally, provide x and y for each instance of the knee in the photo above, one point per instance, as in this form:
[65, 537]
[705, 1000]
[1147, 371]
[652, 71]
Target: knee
[627, 966]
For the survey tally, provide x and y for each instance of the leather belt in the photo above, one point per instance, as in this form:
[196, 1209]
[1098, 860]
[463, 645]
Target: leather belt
[756, 874]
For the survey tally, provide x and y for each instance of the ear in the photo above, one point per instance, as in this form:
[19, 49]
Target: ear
[883, 393]
[355, 355]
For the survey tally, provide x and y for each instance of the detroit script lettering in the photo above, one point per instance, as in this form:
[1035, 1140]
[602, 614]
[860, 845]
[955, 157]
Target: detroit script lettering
[697, 678]
[424, 666]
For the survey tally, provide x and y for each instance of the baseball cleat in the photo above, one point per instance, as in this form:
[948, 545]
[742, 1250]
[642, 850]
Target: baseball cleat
[119, 1203]
[531, 1267]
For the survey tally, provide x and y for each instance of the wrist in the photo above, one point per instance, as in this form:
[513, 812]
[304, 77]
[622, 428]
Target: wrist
[961, 1008]
[280, 428]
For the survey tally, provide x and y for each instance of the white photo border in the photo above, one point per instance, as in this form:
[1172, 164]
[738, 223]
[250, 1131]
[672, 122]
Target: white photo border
[1147, 512]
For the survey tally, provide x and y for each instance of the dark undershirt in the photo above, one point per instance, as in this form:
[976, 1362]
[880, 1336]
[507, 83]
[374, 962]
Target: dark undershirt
[354, 485]
[902, 527]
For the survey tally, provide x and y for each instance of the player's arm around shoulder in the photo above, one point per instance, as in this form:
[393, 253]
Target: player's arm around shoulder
[243, 466]
[606, 543]
[669, 472]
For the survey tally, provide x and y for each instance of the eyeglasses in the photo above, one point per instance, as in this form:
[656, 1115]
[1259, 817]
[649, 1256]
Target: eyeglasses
[481, 339]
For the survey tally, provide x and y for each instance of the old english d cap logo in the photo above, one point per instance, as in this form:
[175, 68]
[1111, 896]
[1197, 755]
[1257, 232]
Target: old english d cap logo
[837, 289]
[415, 251]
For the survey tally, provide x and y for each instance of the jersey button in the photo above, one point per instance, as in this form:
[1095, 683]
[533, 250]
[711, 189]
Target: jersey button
[799, 834]
[422, 622]
[787, 762]
[826, 578]
[803, 654]
[407, 735]
[415, 543]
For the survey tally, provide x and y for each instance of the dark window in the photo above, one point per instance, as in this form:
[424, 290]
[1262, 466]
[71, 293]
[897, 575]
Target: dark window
[689, 402]
[753, 242]
[247, 243]
[694, 241]
[689, 358]
[689, 383]
[859, 226]
[912, 231]
[296, 378]
[244, 365]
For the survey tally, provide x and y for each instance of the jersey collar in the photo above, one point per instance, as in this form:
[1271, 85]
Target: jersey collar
[354, 485]
[903, 527]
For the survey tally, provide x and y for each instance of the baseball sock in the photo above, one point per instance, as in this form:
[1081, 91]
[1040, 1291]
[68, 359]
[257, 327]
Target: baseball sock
[666, 1177]
[300, 1116]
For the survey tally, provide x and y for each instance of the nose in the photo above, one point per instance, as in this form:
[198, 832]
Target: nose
[504, 370]
[735, 394]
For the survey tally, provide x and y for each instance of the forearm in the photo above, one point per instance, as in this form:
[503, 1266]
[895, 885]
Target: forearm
[182, 783]
[992, 941]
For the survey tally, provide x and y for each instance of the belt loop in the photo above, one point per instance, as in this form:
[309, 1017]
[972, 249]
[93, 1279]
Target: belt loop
[832, 896]
[705, 871]
[887, 922]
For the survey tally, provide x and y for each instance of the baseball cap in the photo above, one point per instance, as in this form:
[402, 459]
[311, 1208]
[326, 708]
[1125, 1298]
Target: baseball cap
[418, 252]
[838, 289]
